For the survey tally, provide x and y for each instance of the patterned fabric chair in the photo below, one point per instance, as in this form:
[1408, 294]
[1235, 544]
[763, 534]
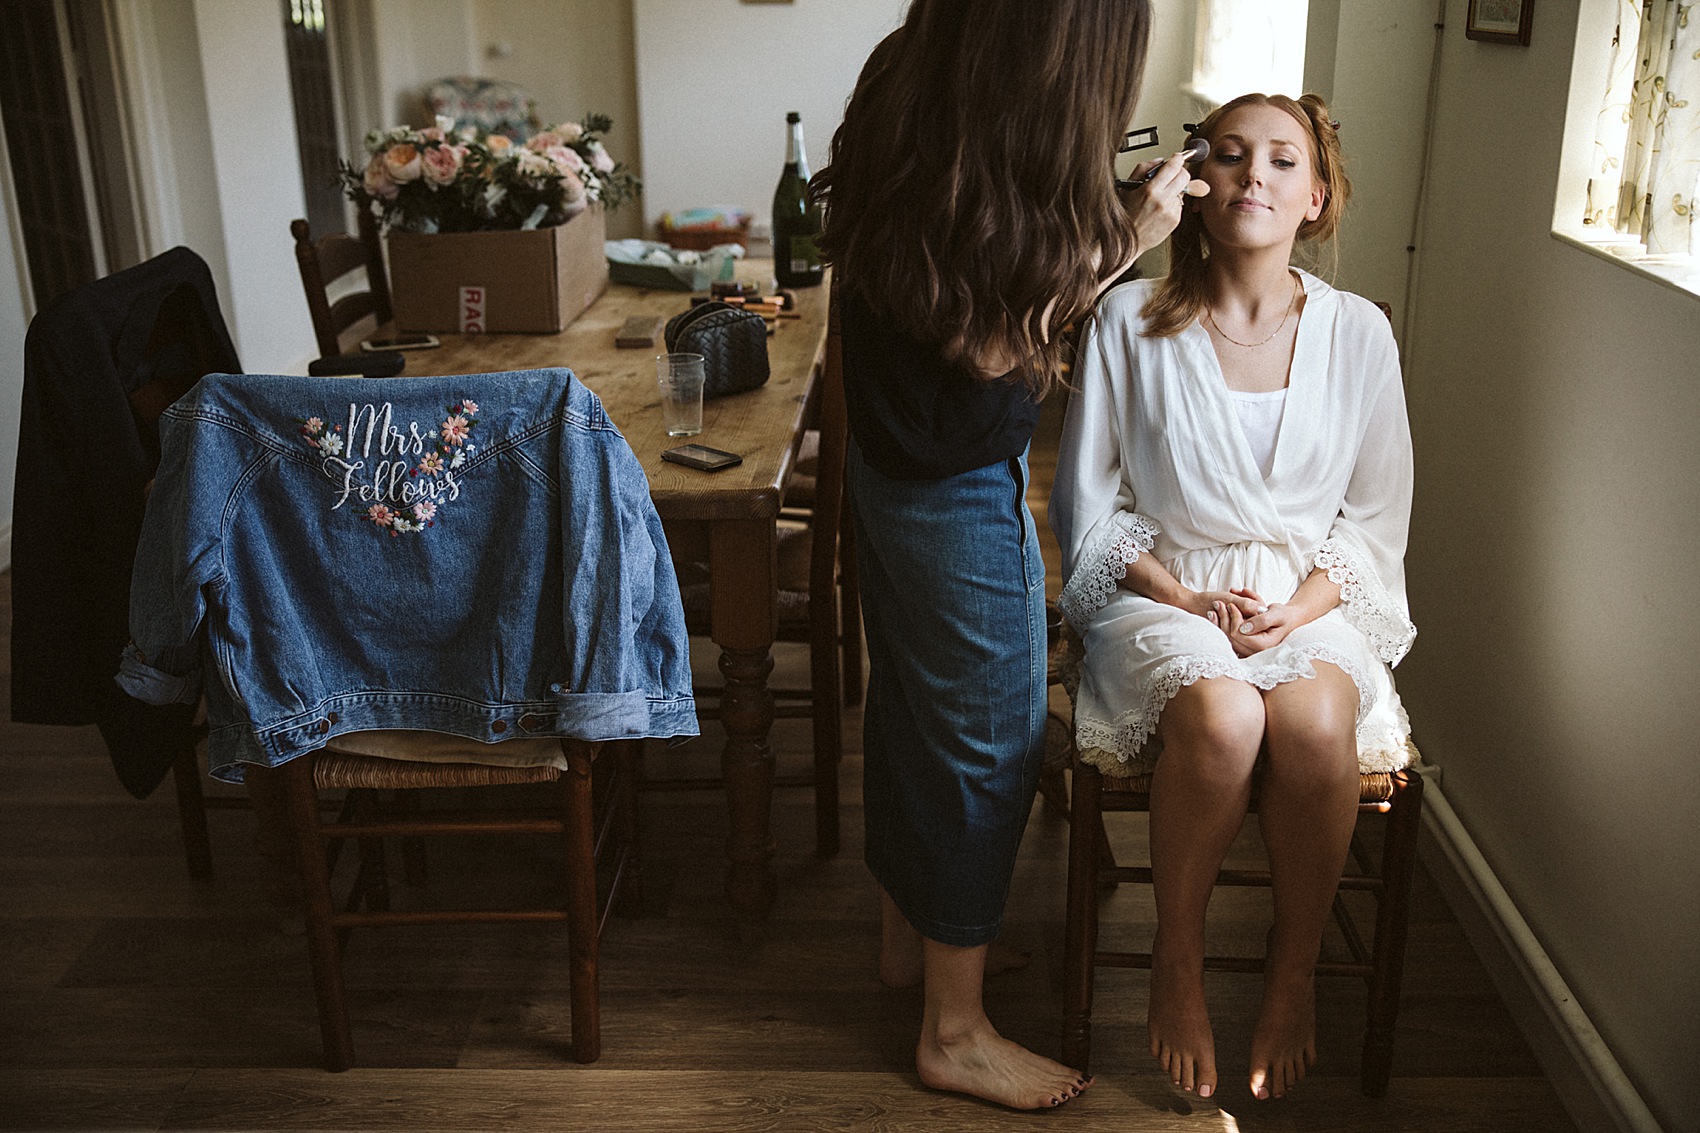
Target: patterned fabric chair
[492, 105]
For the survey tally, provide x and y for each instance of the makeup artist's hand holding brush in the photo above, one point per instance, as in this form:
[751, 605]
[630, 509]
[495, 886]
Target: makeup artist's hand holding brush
[1157, 191]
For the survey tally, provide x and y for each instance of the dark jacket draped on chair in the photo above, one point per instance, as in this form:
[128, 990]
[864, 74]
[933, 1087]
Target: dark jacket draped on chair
[100, 364]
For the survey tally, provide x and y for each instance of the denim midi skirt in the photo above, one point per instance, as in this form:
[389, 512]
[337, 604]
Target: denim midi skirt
[953, 597]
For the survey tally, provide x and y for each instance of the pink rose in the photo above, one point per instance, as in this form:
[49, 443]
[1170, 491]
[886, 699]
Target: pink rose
[442, 163]
[544, 141]
[377, 180]
[569, 132]
[599, 159]
[433, 134]
[401, 162]
[565, 159]
[572, 187]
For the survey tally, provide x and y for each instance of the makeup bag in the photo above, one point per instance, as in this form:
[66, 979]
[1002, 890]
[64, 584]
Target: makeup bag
[732, 342]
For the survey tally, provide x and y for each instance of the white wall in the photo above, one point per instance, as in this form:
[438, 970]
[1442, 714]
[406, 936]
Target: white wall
[575, 57]
[1378, 68]
[716, 78]
[189, 202]
[1555, 410]
[258, 169]
[418, 42]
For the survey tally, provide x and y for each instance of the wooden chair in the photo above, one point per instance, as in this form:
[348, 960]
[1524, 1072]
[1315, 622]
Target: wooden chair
[811, 609]
[799, 504]
[323, 263]
[1092, 867]
[592, 842]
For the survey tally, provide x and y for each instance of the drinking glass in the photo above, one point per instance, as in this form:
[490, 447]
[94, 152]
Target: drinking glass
[680, 377]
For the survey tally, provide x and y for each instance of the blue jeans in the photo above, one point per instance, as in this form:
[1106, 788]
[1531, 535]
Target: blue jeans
[953, 594]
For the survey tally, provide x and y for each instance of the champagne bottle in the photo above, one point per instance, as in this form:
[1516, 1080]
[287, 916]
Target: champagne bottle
[796, 219]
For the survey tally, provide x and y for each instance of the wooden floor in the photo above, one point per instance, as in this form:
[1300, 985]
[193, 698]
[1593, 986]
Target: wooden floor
[135, 998]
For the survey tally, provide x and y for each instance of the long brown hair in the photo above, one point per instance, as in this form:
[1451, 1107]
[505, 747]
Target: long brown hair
[971, 183]
[1180, 295]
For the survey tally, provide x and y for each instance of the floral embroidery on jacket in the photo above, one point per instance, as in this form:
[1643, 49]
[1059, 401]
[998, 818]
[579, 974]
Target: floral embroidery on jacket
[404, 480]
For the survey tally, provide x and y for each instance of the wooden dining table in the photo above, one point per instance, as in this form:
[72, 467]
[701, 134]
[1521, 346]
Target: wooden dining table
[728, 518]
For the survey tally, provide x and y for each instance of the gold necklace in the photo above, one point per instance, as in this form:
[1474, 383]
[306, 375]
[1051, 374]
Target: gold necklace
[1291, 304]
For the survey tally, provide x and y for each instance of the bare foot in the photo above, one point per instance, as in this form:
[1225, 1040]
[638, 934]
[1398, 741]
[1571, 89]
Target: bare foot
[1283, 1045]
[1179, 1022]
[982, 1063]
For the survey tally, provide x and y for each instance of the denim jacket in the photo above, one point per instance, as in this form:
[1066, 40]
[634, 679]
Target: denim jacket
[474, 555]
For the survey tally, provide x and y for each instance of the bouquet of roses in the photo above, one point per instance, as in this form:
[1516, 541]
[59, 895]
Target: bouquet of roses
[443, 180]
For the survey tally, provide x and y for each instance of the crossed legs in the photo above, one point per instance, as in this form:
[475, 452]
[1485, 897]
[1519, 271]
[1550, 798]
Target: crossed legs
[1212, 732]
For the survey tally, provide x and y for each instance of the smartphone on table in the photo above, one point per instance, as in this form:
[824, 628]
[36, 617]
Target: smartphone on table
[703, 457]
[400, 342]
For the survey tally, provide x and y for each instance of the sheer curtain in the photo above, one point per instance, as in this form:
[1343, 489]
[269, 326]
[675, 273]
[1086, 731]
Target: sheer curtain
[1646, 172]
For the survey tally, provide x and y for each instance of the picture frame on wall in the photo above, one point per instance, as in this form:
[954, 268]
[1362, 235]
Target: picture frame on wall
[1500, 21]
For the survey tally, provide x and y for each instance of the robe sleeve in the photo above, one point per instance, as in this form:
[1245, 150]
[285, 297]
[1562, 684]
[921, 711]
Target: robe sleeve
[1092, 509]
[1364, 553]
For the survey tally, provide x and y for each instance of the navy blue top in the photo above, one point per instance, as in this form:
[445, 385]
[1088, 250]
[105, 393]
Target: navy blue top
[915, 415]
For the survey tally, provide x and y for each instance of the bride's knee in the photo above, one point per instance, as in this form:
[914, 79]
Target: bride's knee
[1313, 729]
[1220, 721]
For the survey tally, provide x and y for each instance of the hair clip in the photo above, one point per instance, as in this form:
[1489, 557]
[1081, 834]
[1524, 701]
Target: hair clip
[1334, 122]
[1190, 127]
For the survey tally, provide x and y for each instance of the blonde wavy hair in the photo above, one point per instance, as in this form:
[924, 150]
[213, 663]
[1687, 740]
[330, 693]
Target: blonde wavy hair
[1180, 295]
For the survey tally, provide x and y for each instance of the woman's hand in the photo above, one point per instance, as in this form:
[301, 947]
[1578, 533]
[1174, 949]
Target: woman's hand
[1156, 205]
[1250, 635]
[1205, 602]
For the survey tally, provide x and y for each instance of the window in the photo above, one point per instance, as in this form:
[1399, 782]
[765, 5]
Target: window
[1631, 170]
[1248, 45]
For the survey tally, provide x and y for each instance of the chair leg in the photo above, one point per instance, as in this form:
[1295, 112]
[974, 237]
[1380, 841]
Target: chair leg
[1080, 920]
[582, 944]
[192, 812]
[294, 781]
[628, 755]
[1398, 865]
[849, 611]
[828, 739]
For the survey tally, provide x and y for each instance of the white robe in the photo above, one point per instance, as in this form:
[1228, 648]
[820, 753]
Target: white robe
[1153, 460]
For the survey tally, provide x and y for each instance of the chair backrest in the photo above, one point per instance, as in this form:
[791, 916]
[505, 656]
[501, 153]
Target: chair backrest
[327, 260]
[493, 106]
[834, 447]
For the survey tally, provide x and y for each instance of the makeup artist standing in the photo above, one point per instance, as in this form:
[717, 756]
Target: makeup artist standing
[971, 213]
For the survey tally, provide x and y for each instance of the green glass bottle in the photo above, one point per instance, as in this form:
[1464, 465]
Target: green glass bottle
[796, 220]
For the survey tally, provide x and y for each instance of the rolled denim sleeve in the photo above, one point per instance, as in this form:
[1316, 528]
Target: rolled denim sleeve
[178, 560]
[616, 562]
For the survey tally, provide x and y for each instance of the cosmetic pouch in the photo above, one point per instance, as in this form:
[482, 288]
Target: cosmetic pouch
[732, 342]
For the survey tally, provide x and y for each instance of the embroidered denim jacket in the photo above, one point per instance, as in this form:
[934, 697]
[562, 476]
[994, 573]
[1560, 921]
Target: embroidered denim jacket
[474, 555]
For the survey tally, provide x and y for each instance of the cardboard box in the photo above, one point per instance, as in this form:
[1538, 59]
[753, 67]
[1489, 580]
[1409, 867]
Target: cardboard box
[498, 282]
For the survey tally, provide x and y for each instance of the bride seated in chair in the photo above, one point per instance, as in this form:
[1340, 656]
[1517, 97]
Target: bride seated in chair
[1232, 500]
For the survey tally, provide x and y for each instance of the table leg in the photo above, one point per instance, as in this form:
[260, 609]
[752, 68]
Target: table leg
[744, 577]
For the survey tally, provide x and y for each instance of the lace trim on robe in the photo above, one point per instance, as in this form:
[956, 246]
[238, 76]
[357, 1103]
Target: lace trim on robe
[1117, 746]
[1366, 602]
[1124, 537]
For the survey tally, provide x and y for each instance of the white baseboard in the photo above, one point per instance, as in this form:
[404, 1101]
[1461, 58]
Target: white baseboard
[6, 547]
[1590, 1083]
